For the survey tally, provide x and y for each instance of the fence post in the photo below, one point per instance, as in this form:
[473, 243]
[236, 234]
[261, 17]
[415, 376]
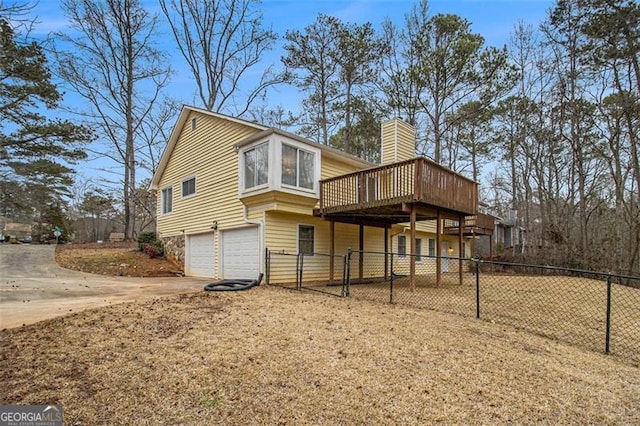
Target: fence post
[348, 281]
[298, 271]
[344, 276]
[607, 340]
[391, 282]
[301, 269]
[477, 261]
[267, 260]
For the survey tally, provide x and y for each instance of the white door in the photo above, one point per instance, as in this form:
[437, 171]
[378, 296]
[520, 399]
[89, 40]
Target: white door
[444, 254]
[240, 253]
[200, 255]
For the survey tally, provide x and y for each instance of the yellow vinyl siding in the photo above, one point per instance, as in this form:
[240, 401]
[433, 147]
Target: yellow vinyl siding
[398, 141]
[282, 236]
[206, 153]
[332, 167]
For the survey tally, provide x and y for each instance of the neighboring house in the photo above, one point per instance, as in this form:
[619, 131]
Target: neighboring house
[229, 190]
[17, 231]
[507, 235]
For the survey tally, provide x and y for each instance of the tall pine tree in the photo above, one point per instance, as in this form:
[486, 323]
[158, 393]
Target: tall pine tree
[36, 151]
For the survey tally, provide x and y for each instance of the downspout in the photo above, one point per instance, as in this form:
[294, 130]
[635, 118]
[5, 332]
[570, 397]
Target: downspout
[261, 224]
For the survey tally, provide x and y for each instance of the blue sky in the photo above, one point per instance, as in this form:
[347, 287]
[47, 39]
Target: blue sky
[493, 19]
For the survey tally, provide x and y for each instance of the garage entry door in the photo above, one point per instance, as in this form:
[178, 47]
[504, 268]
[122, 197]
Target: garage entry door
[240, 253]
[201, 255]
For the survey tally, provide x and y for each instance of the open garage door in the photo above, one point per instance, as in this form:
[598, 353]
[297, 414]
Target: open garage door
[200, 258]
[240, 253]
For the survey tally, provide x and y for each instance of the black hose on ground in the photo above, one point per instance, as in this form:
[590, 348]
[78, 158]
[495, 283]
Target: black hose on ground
[233, 285]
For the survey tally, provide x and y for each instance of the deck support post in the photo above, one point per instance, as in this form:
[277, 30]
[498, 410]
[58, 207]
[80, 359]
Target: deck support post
[332, 249]
[386, 252]
[460, 253]
[491, 246]
[361, 256]
[412, 262]
[438, 249]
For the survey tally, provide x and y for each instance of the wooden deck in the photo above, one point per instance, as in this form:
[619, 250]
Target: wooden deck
[478, 224]
[383, 195]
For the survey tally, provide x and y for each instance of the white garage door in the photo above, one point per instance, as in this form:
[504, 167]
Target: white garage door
[201, 255]
[240, 253]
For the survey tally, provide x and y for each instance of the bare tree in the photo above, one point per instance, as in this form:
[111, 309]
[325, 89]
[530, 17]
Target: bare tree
[111, 61]
[223, 42]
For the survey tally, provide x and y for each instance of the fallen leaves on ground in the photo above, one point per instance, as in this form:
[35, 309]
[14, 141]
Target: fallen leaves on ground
[274, 356]
[113, 259]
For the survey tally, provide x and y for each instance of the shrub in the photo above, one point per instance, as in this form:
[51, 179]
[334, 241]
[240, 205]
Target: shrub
[145, 238]
[153, 249]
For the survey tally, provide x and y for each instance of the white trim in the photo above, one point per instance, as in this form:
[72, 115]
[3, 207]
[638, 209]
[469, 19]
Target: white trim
[434, 247]
[274, 173]
[316, 166]
[405, 245]
[313, 249]
[177, 129]
[195, 187]
[162, 197]
[187, 251]
[241, 168]
[419, 249]
[222, 273]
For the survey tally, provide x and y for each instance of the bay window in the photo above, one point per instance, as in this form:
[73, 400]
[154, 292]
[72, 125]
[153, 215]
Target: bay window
[298, 167]
[256, 166]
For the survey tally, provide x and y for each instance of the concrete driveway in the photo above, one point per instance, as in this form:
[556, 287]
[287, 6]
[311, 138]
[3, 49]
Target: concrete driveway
[34, 288]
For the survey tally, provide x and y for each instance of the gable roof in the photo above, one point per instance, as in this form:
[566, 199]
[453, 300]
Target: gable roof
[175, 134]
[264, 132]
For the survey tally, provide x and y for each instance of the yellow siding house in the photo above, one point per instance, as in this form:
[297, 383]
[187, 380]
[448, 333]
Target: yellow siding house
[228, 190]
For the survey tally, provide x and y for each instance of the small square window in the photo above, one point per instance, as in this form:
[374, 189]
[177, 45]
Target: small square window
[167, 200]
[188, 187]
[306, 237]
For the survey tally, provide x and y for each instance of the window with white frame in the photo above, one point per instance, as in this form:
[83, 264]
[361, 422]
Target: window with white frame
[402, 245]
[418, 249]
[432, 247]
[167, 200]
[306, 239]
[189, 187]
[256, 166]
[298, 167]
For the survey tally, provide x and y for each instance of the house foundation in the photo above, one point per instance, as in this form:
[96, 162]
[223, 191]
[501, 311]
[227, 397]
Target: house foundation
[174, 248]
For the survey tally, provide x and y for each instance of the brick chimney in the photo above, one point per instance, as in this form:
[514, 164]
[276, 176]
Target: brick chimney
[398, 141]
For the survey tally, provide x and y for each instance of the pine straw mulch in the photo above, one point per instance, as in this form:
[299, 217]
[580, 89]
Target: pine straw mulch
[273, 356]
[114, 259]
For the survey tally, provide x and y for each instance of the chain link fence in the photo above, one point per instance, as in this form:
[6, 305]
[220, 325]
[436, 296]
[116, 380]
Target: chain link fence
[596, 311]
[312, 271]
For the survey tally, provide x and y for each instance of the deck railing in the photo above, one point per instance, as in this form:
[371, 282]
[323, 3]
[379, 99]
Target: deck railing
[484, 221]
[416, 180]
[480, 222]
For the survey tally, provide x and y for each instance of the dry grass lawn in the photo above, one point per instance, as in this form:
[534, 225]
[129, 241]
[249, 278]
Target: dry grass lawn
[571, 309]
[113, 259]
[274, 356]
